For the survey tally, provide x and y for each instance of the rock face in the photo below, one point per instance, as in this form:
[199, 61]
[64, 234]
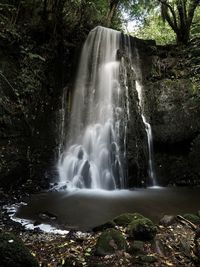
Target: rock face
[136, 139]
[171, 83]
[33, 73]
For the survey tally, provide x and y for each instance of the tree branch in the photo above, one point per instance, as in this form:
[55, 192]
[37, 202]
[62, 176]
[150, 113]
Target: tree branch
[172, 23]
[192, 6]
[180, 8]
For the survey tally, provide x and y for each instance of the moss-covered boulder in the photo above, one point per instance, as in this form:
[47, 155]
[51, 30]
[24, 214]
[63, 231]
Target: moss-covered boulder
[109, 224]
[137, 247]
[126, 218]
[109, 242]
[13, 253]
[192, 218]
[142, 229]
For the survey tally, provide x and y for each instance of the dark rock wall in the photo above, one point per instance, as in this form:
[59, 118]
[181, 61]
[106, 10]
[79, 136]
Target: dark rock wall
[32, 77]
[136, 139]
[172, 105]
[136, 162]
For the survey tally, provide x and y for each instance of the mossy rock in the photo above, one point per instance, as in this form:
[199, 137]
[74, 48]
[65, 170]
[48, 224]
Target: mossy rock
[137, 247]
[142, 229]
[126, 218]
[109, 224]
[192, 218]
[110, 241]
[13, 252]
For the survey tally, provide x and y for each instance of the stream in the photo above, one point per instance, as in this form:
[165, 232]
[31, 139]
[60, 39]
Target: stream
[84, 209]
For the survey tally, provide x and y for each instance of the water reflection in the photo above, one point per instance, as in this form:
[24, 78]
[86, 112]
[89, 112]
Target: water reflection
[85, 209]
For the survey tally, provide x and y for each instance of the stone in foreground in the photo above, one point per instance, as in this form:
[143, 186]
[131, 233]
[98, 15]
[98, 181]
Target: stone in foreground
[110, 241]
[142, 229]
[126, 218]
[13, 253]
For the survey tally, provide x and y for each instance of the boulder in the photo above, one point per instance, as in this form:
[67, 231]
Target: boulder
[126, 218]
[110, 241]
[142, 229]
[109, 224]
[13, 252]
[136, 248]
[167, 220]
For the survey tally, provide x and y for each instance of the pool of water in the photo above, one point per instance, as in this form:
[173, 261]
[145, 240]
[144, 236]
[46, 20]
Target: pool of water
[85, 209]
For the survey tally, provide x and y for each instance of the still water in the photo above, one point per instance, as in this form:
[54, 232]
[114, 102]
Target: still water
[84, 209]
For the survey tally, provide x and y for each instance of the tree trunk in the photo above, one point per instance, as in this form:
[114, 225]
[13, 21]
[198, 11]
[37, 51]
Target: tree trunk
[111, 12]
[183, 36]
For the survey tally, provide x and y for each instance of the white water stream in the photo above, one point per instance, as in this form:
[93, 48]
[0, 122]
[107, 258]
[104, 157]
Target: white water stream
[151, 170]
[91, 158]
[95, 154]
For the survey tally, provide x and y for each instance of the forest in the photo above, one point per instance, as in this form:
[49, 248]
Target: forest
[99, 133]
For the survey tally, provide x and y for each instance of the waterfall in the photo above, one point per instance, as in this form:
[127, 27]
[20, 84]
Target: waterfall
[92, 157]
[151, 170]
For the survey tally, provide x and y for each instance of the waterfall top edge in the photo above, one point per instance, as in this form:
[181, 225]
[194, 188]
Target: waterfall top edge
[104, 28]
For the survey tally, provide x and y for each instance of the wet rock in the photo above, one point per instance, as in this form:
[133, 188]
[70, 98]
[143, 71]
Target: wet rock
[14, 253]
[36, 223]
[109, 224]
[109, 242]
[142, 229]
[192, 218]
[126, 218]
[137, 247]
[47, 216]
[168, 220]
[86, 174]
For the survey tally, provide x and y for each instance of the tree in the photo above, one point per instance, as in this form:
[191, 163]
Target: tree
[179, 14]
[154, 28]
[113, 4]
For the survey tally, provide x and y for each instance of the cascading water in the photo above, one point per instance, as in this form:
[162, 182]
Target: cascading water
[149, 137]
[96, 150]
[92, 155]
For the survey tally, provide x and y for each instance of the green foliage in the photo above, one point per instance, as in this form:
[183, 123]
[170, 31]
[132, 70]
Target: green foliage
[84, 14]
[195, 28]
[179, 15]
[165, 21]
[155, 28]
[138, 9]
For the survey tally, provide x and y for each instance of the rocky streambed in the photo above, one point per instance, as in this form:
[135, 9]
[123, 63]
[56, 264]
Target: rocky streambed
[128, 240]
